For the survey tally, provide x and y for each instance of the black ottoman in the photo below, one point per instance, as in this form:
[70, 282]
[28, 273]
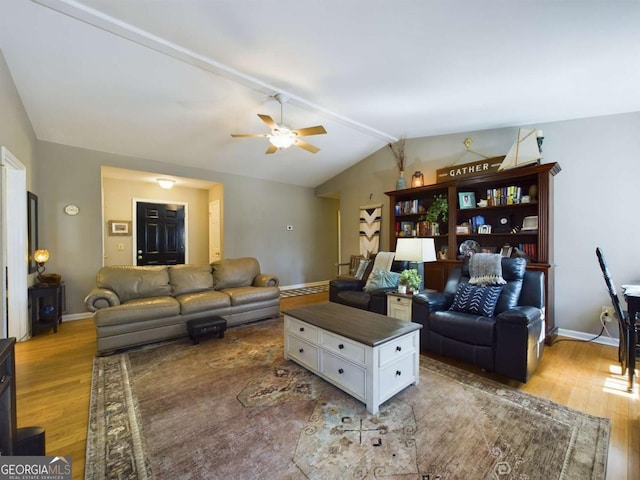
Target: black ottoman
[205, 326]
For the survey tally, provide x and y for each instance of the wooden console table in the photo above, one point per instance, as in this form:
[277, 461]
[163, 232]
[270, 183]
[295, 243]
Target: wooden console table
[370, 356]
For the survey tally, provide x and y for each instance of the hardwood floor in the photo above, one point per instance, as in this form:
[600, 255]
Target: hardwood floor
[53, 374]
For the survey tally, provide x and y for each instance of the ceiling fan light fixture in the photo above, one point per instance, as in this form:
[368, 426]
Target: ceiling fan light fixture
[282, 140]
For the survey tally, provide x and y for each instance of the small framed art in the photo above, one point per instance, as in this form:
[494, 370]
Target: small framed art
[467, 199]
[406, 229]
[119, 227]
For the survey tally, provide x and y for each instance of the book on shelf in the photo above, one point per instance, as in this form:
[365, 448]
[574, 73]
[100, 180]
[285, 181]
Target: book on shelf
[504, 195]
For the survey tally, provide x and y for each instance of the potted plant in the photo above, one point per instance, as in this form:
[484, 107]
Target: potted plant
[410, 279]
[437, 212]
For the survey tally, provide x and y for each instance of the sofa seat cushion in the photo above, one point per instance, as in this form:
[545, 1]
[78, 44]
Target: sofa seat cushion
[248, 295]
[190, 278]
[137, 310]
[202, 301]
[355, 299]
[464, 327]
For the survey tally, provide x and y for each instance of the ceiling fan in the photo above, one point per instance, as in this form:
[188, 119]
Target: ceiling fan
[282, 137]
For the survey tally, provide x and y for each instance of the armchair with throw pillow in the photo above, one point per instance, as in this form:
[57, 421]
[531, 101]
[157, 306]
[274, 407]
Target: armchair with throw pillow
[490, 314]
[369, 292]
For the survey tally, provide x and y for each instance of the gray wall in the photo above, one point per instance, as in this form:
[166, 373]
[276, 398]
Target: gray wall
[256, 213]
[16, 132]
[594, 196]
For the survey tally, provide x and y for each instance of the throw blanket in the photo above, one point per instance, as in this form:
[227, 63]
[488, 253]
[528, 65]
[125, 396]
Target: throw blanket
[383, 261]
[486, 269]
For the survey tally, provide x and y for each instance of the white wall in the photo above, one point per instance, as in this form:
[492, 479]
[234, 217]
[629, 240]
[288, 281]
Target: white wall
[595, 194]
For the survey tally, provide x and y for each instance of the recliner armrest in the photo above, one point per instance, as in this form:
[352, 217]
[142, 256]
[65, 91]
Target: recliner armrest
[436, 301]
[346, 284]
[520, 315]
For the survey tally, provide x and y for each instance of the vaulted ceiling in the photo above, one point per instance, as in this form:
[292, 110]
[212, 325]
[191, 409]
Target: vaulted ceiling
[171, 80]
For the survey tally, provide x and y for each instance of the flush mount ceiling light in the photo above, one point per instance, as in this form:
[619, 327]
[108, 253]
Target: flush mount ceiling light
[165, 183]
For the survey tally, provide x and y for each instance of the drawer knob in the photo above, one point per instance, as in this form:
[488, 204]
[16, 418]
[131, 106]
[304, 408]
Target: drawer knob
[398, 299]
[340, 371]
[301, 350]
[398, 348]
[398, 373]
[341, 346]
[302, 329]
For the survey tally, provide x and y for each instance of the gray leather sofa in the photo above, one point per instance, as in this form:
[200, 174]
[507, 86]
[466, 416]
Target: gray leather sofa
[137, 305]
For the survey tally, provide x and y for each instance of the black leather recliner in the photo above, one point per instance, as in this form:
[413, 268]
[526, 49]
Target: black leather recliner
[509, 343]
[350, 291]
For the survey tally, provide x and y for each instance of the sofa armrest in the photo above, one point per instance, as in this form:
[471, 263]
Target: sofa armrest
[378, 300]
[521, 315]
[101, 298]
[266, 280]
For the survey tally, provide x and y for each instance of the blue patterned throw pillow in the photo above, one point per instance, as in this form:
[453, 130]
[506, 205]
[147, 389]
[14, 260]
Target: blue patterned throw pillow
[382, 279]
[475, 299]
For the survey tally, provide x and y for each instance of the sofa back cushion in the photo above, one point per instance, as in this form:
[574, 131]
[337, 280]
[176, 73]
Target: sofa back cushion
[130, 282]
[190, 278]
[235, 272]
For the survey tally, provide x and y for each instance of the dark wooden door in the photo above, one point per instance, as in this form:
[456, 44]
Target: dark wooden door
[160, 234]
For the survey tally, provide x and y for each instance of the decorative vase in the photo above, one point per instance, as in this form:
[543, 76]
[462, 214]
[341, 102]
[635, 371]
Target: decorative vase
[400, 183]
[402, 288]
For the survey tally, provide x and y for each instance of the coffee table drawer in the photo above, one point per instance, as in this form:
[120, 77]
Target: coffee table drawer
[396, 376]
[344, 374]
[302, 351]
[397, 348]
[344, 347]
[303, 330]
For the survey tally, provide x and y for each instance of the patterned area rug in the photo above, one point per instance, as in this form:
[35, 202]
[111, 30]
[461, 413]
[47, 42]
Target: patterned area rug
[233, 408]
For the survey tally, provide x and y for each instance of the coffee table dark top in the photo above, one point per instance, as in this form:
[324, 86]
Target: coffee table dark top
[364, 327]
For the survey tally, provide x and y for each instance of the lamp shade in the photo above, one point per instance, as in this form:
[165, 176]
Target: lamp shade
[416, 249]
[41, 256]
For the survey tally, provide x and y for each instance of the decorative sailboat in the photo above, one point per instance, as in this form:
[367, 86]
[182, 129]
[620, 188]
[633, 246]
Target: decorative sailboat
[524, 151]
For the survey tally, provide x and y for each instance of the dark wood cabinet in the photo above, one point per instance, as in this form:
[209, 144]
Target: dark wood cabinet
[8, 426]
[516, 198]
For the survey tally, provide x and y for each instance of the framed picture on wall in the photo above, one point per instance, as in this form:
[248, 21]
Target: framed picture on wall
[119, 227]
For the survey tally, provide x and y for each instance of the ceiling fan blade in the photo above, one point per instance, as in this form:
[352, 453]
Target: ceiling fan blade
[303, 132]
[249, 135]
[269, 121]
[307, 146]
[271, 149]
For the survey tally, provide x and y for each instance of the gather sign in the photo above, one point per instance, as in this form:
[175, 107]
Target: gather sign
[474, 169]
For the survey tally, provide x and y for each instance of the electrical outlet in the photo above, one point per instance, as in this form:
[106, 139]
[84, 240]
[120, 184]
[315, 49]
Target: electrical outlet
[606, 313]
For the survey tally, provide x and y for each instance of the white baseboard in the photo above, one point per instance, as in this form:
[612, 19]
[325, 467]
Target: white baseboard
[76, 316]
[604, 339]
[304, 285]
